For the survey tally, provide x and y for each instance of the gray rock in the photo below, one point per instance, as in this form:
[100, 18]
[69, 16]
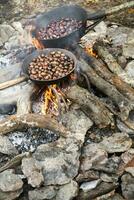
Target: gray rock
[118, 35]
[78, 124]
[68, 191]
[106, 196]
[59, 161]
[130, 38]
[109, 178]
[10, 195]
[118, 142]
[101, 28]
[127, 186]
[13, 42]
[6, 147]
[90, 175]
[92, 155]
[122, 127]
[128, 155]
[115, 197]
[128, 50]
[47, 192]
[32, 171]
[10, 182]
[130, 170]
[18, 27]
[6, 31]
[87, 186]
[130, 69]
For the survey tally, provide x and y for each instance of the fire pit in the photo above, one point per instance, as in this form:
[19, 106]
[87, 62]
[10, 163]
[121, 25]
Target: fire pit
[72, 134]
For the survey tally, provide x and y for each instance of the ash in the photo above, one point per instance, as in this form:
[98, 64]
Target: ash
[31, 138]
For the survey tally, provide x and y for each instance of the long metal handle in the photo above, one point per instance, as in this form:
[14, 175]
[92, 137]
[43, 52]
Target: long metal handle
[115, 9]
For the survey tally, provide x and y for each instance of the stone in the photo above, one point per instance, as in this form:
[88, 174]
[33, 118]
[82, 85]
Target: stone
[10, 182]
[122, 127]
[118, 35]
[10, 195]
[127, 156]
[130, 69]
[118, 142]
[89, 39]
[130, 170]
[127, 186]
[32, 171]
[87, 186]
[116, 196]
[87, 176]
[6, 147]
[59, 161]
[130, 38]
[13, 42]
[109, 178]
[78, 124]
[92, 155]
[17, 26]
[6, 31]
[106, 196]
[47, 192]
[128, 50]
[101, 28]
[67, 191]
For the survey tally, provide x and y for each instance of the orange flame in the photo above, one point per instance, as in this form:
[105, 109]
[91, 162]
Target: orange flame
[90, 51]
[37, 43]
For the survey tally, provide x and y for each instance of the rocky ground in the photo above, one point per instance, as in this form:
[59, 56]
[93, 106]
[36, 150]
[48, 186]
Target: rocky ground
[90, 163]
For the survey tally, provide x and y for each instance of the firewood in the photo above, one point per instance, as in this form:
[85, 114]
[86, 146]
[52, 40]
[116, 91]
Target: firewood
[115, 80]
[112, 64]
[17, 122]
[101, 189]
[124, 105]
[91, 106]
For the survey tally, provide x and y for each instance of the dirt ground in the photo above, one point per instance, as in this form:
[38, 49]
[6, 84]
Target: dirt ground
[17, 9]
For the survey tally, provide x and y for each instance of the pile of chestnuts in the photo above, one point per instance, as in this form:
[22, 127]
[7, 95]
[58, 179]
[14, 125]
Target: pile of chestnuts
[50, 67]
[59, 28]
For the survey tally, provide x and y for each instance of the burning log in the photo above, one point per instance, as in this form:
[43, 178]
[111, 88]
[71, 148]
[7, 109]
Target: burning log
[111, 63]
[124, 105]
[16, 122]
[91, 106]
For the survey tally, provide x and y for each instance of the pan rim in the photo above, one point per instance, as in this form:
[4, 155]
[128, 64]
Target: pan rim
[48, 50]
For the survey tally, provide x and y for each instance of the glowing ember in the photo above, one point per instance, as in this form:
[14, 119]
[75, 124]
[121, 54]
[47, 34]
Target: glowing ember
[90, 51]
[37, 44]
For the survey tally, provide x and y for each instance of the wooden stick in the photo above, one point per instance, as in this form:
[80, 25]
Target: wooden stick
[12, 82]
[121, 7]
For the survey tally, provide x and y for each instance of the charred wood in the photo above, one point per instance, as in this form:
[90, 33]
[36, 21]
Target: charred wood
[111, 63]
[17, 122]
[124, 105]
[115, 80]
[101, 189]
[91, 106]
